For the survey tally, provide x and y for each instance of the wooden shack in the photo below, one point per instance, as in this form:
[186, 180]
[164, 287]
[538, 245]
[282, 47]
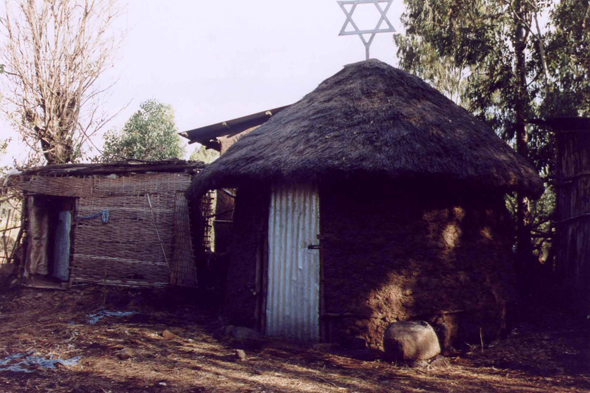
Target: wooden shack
[573, 207]
[123, 224]
[374, 199]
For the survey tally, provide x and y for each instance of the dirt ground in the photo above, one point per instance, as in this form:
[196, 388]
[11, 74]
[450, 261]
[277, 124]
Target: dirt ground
[130, 354]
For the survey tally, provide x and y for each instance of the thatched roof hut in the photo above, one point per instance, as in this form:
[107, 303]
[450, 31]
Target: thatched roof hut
[371, 119]
[402, 189]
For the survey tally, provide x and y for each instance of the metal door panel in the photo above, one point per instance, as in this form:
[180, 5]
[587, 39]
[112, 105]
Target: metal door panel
[292, 307]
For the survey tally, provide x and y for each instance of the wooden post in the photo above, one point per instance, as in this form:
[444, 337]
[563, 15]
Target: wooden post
[5, 257]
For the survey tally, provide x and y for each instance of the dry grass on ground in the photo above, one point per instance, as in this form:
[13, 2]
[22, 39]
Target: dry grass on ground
[554, 357]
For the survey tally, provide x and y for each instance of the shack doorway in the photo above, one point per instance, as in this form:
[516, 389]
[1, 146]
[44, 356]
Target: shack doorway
[293, 289]
[49, 244]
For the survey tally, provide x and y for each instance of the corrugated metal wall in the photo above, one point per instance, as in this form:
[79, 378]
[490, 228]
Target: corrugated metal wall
[293, 293]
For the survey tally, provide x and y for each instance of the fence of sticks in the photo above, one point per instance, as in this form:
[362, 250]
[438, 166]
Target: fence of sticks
[10, 227]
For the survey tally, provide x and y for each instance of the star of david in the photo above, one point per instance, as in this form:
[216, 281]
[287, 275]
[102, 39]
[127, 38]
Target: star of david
[361, 33]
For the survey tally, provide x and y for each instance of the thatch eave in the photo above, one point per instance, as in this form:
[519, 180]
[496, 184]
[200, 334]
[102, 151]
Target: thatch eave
[372, 120]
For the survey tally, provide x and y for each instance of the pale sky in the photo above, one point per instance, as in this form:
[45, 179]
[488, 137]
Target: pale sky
[218, 60]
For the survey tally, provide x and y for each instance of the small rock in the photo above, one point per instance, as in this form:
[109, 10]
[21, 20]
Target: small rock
[168, 335]
[440, 362]
[243, 333]
[366, 355]
[444, 333]
[165, 352]
[124, 354]
[357, 343]
[410, 341]
[245, 338]
[325, 346]
[419, 364]
[227, 330]
[241, 354]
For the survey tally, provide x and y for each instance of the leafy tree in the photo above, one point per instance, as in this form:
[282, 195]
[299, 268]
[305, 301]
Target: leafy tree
[52, 55]
[422, 59]
[3, 146]
[205, 155]
[568, 52]
[515, 72]
[150, 134]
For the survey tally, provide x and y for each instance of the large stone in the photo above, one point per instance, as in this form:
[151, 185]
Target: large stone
[410, 341]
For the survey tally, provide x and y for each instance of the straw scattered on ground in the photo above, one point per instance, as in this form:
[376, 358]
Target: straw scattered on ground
[133, 354]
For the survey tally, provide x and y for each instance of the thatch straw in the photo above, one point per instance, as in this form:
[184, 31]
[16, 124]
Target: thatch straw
[371, 119]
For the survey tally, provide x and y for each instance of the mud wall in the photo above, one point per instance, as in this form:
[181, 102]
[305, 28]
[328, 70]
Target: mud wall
[243, 292]
[407, 251]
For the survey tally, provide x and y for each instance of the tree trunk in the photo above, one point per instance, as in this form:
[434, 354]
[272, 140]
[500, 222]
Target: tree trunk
[524, 244]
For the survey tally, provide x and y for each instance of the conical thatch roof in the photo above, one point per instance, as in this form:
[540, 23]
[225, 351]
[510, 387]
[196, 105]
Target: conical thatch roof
[371, 119]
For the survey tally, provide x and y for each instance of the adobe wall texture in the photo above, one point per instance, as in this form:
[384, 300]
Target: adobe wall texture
[404, 252]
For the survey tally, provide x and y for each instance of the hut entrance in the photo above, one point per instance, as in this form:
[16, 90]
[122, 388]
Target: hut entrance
[293, 286]
[49, 246]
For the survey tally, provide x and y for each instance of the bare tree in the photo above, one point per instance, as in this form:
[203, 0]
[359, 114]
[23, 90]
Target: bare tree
[54, 52]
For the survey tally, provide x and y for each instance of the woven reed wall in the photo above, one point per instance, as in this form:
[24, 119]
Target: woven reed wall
[126, 250]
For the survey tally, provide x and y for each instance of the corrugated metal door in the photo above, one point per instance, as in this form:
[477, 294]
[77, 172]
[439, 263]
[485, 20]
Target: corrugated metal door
[293, 292]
